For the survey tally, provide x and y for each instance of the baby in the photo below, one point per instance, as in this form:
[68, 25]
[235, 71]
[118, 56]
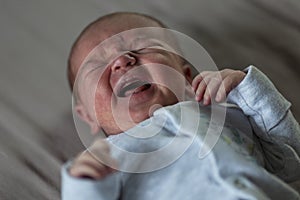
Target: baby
[234, 169]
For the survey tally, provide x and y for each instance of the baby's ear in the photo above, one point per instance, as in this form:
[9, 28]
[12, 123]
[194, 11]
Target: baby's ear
[187, 72]
[86, 117]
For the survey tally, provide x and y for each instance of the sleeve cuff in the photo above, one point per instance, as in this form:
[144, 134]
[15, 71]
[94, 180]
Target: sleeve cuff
[258, 98]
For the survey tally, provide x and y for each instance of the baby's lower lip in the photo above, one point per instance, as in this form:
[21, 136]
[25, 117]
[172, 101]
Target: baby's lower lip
[138, 90]
[142, 96]
[133, 88]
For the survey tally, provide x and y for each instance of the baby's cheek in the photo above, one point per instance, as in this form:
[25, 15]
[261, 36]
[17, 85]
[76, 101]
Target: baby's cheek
[102, 101]
[103, 112]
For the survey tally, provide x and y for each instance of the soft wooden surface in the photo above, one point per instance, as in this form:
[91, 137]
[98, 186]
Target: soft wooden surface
[36, 128]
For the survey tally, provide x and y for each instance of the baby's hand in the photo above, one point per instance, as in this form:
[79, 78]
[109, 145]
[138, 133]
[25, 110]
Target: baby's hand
[209, 85]
[89, 164]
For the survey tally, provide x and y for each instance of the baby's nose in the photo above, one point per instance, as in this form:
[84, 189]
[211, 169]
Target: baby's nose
[123, 61]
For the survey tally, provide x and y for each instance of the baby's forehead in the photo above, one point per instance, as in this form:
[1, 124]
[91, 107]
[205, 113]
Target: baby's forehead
[114, 25]
[128, 40]
[133, 40]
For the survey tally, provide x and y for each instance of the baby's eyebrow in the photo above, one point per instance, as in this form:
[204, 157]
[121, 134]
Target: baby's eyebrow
[117, 39]
[90, 72]
[140, 38]
[93, 64]
[88, 68]
[145, 42]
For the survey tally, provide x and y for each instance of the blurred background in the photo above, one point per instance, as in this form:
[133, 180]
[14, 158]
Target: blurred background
[36, 129]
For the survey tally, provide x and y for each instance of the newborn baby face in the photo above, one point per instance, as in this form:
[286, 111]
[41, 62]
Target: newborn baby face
[129, 75]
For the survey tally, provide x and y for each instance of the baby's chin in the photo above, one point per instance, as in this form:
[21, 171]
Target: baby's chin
[124, 121]
[123, 125]
[153, 108]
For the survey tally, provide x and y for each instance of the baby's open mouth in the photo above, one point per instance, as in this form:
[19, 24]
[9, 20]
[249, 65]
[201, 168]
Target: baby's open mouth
[133, 87]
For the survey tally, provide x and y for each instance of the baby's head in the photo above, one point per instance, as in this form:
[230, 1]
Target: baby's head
[132, 82]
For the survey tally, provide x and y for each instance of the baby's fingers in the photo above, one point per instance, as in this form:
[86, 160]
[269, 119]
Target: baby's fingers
[200, 83]
[199, 78]
[84, 170]
[100, 151]
[92, 165]
[221, 93]
[200, 91]
[196, 81]
[212, 89]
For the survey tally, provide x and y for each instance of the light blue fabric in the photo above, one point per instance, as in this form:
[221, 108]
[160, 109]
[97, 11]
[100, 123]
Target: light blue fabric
[234, 169]
[272, 122]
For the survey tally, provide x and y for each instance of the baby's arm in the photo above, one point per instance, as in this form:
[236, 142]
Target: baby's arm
[267, 109]
[272, 121]
[87, 178]
[215, 85]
